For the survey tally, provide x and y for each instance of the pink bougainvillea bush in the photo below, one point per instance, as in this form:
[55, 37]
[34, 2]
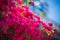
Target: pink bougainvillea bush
[17, 22]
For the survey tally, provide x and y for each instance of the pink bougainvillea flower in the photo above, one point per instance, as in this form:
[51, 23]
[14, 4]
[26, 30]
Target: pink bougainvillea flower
[32, 3]
[17, 22]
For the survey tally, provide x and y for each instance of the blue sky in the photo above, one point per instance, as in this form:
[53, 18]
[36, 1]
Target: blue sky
[54, 11]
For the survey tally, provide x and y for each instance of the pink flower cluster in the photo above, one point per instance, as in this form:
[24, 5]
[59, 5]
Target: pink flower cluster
[18, 23]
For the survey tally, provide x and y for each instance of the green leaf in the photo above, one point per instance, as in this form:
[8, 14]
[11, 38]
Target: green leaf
[0, 30]
[27, 37]
[5, 37]
[11, 31]
[44, 33]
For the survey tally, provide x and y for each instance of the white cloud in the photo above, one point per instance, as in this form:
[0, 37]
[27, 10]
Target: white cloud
[37, 3]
